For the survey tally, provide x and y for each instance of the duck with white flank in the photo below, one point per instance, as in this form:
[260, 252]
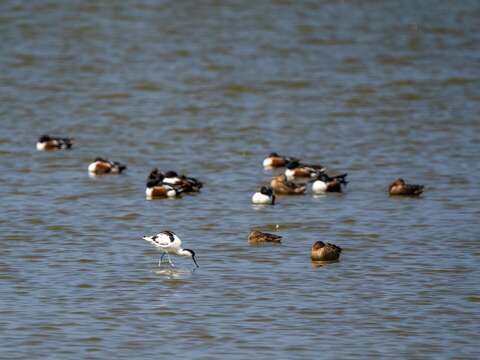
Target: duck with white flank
[46, 143]
[274, 160]
[325, 252]
[295, 169]
[258, 237]
[156, 188]
[400, 187]
[169, 243]
[187, 184]
[323, 183]
[281, 186]
[102, 166]
[264, 197]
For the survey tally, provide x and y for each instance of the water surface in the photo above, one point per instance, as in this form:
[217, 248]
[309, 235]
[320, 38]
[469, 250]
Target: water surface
[375, 89]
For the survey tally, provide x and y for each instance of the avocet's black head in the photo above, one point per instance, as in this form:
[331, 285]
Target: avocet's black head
[192, 254]
[44, 138]
[170, 174]
[273, 154]
[293, 164]
[266, 190]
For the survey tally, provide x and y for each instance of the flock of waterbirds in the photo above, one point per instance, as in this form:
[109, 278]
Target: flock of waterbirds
[170, 185]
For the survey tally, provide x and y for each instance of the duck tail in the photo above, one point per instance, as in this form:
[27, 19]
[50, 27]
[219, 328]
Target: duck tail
[342, 179]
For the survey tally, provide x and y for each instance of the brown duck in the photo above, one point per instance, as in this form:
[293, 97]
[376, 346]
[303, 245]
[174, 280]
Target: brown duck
[258, 237]
[400, 187]
[325, 252]
[281, 186]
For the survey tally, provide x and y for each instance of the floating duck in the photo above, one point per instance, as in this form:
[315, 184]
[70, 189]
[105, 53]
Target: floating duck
[187, 184]
[295, 169]
[46, 143]
[102, 166]
[400, 187]
[325, 252]
[258, 237]
[158, 189]
[274, 160]
[323, 183]
[264, 197]
[281, 186]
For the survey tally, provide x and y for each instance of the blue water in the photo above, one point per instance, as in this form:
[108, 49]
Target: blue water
[376, 89]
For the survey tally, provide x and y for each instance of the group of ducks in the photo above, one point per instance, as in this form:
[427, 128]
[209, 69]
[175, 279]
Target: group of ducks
[322, 183]
[287, 184]
[159, 185]
[170, 184]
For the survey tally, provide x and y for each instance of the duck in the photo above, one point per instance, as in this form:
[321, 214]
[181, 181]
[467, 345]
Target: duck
[273, 160]
[295, 169]
[325, 252]
[102, 166]
[323, 183]
[188, 184]
[264, 197]
[281, 186]
[158, 189]
[400, 187]
[46, 143]
[257, 237]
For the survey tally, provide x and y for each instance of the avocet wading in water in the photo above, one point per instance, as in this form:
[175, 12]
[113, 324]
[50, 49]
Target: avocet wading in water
[169, 243]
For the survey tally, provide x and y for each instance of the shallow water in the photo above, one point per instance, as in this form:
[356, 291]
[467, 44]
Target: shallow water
[375, 89]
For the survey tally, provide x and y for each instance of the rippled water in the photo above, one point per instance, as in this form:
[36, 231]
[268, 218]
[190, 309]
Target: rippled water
[376, 89]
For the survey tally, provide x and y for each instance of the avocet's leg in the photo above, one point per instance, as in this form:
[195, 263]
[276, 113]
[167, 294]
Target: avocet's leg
[160, 261]
[170, 261]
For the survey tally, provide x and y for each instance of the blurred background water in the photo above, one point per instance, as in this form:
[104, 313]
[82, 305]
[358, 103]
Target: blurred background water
[378, 89]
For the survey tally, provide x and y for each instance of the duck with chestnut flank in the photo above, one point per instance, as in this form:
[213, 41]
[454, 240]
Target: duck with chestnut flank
[46, 143]
[295, 169]
[323, 183]
[102, 166]
[156, 188]
[273, 160]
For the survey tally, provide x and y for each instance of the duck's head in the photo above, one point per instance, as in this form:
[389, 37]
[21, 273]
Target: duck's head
[153, 182]
[171, 174]
[155, 175]
[398, 182]
[293, 164]
[44, 138]
[266, 190]
[318, 245]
